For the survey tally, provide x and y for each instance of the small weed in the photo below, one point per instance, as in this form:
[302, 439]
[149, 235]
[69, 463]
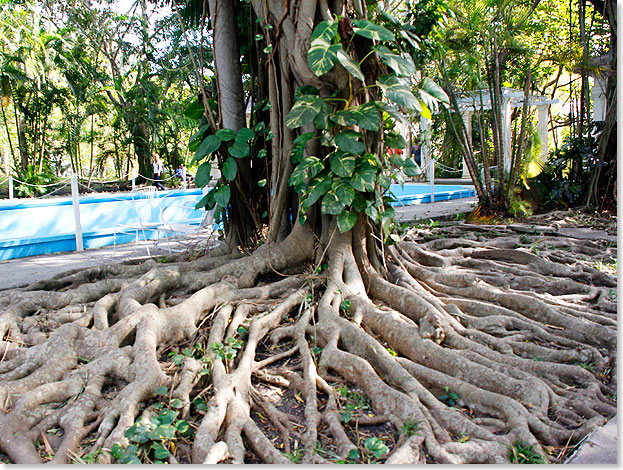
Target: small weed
[345, 306]
[295, 455]
[606, 266]
[449, 398]
[586, 365]
[521, 453]
[353, 401]
[160, 259]
[613, 295]
[410, 428]
[376, 447]
[228, 350]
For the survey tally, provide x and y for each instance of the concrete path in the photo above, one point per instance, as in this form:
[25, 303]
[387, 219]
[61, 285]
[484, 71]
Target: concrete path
[599, 448]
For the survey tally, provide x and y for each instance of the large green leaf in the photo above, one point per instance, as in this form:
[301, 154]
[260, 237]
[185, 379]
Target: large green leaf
[244, 135]
[363, 177]
[350, 65]
[368, 117]
[202, 178]
[325, 30]
[322, 56]
[304, 110]
[344, 192]
[348, 141]
[222, 195]
[372, 31]
[321, 121]
[346, 221]
[430, 87]
[403, 66]
[230, 169]
[317, 187]
[395, 141]
[225, 134]
[345, 117]
[298, 150]
[331, 204]
[342, 164]
[239, 150]
[411, 168]
[194, 110]
[395, 91]
[197, 135]
[209, 145]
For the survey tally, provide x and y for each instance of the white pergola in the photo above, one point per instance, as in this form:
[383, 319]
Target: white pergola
[481, 100]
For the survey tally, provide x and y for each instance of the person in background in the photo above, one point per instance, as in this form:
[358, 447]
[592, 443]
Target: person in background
[416, 153]
[182, 173]
[158, 170]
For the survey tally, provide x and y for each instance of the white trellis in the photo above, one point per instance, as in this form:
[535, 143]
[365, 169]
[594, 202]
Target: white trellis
[481, 100]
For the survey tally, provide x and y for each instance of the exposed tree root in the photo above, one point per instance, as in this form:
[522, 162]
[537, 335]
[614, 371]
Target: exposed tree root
[447, 349]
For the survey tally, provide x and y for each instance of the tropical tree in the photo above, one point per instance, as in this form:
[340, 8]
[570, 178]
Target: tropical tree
[463, 355]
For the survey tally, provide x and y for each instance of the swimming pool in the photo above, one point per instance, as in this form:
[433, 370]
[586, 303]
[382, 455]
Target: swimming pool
[30, 227]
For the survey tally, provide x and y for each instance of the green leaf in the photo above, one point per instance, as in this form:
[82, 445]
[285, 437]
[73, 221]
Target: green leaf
[298, 150]
[202, 178]
[160, 452]
[137, 433]
[342, 164]
[225, 135]
[239, 150]
[167, 416]
[194, 110]
[372, 212]
[268, 49]
[244, 135]
[384, 181]
[372, 31]
[348, 141]
[346, 221]
[261, 183]
[230, 169]
[182, 426]
[353, 454]
[345, 193]
[116, 450]
[322, 56]
[262, 153]
[222, 195]
[321, 121]
[209, 145]
[162, 432]
[411, 168]
[306, 90]
[345, 117]
[350, 65]
[368, 117]
[304, 110]
[129, 455]
[325, 30]
[363, 177]
[331, 204]
[197, 135]
[403, 67]
[430, 87]
[395, 91]
[206, 201]
[161, 390]
[317, 187]
[395, 141]
[177, 403]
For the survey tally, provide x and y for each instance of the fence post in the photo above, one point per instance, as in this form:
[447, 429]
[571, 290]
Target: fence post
[133, 183]
[10, 187]
[432, 179]
[75, 202]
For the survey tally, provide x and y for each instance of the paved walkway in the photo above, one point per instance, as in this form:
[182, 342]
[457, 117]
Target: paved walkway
[599, 448]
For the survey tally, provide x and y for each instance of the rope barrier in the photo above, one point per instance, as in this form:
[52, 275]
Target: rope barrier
[121, 178]
[41, 185]
[150, 179]
[52, 192]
